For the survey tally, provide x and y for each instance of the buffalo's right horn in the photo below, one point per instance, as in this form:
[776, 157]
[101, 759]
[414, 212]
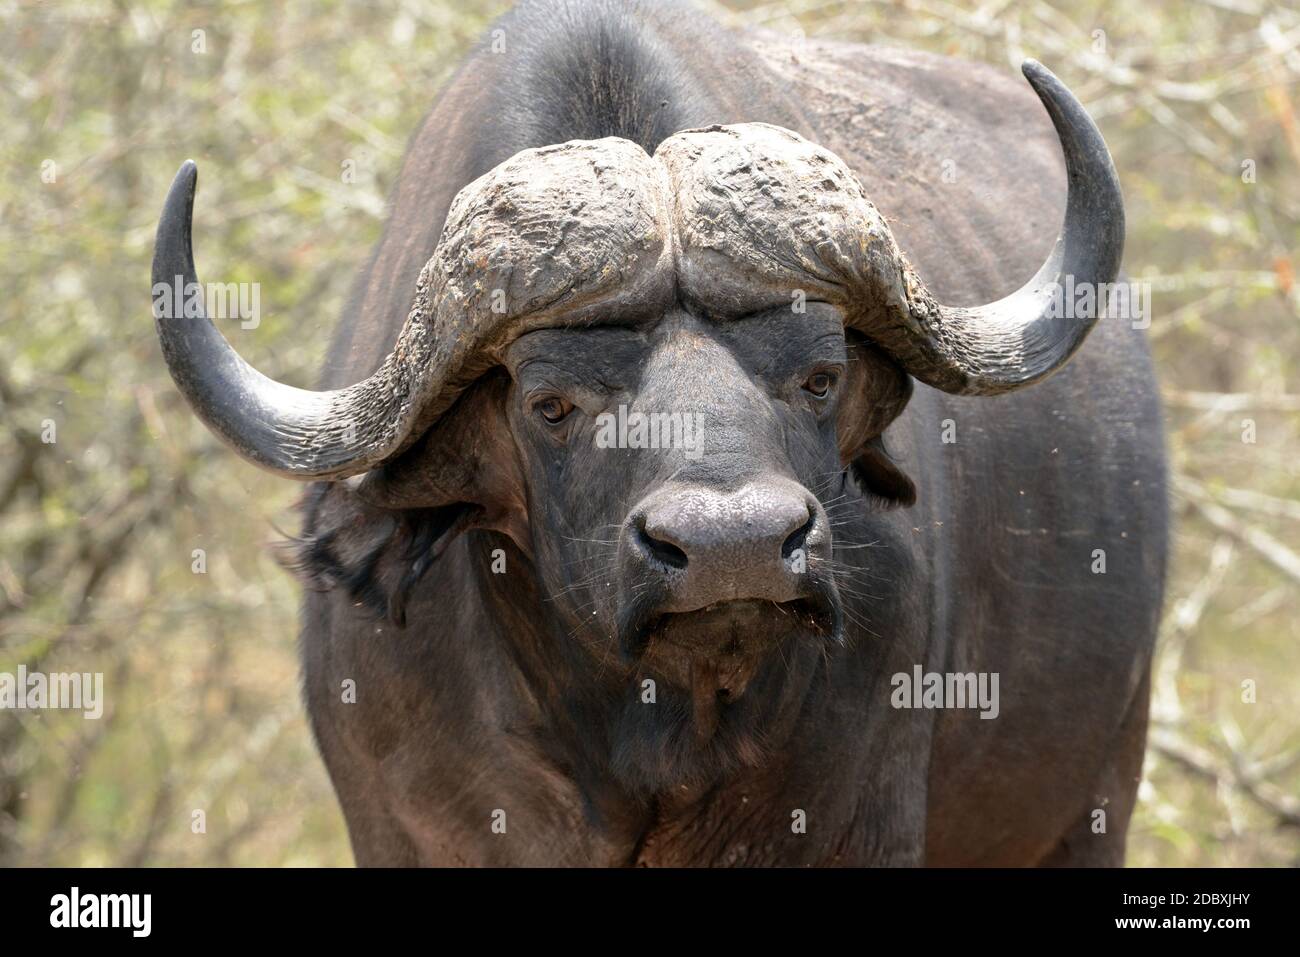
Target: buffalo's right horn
[293, 432]
[567, 234]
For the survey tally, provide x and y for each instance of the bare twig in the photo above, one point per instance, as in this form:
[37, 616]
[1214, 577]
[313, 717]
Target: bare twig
[1231, 401]
[1278, 555]
[1170, 744]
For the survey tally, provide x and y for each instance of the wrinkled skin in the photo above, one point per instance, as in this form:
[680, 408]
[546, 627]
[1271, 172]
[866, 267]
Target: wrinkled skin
[544, 579]
[767, 441]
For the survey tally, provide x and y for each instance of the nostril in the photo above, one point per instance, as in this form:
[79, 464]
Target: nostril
[667, 553]
[664, 552]
[799, 537]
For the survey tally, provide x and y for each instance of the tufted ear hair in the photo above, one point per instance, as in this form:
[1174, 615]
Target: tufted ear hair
[875, 393]
[468, 458]
[376, 536]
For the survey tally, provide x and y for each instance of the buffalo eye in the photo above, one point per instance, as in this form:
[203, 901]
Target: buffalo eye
[554, 409]
[819, 384]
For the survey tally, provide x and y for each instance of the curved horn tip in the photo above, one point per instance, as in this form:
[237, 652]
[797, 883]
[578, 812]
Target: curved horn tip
[184, 185]
[1039, 76]
[188, 174]
[172, 241]
[1056, 96]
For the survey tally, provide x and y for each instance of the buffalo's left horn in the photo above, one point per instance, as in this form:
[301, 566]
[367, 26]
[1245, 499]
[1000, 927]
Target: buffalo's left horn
[1018, 340]
[294, 432]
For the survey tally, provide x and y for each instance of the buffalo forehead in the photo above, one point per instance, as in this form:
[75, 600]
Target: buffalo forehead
[759, 213]
[732, 219]
[554, 230]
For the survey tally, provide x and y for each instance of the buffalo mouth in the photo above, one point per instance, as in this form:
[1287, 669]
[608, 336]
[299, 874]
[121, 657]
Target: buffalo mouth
[741, 628]
[730, 627]
[729, 679]
[721, 646]
[711, 656]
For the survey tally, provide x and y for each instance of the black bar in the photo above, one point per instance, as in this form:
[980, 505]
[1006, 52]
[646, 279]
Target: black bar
[215, 907]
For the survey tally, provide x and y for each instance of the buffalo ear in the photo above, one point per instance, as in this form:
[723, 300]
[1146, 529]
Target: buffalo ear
[376, 536]
[875, 392]
[375, 556]
[877, 473]
[468, 460]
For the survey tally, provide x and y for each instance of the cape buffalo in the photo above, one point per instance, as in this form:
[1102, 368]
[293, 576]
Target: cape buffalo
[690, 486]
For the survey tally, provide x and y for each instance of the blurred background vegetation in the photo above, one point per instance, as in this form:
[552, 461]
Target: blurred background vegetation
[98, 530]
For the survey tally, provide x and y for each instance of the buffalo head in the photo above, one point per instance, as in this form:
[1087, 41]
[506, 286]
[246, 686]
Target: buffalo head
[661, 376]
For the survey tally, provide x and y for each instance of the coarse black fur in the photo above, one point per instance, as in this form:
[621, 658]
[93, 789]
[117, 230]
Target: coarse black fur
[975, 556]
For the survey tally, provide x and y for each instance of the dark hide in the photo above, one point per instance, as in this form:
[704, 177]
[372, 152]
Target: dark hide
[484, 697]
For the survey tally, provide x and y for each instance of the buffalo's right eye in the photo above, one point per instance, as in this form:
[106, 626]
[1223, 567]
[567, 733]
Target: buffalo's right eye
[819, 384]
[553, 410]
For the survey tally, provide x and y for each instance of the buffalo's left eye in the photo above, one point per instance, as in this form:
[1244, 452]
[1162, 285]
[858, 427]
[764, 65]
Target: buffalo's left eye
[553, 410]
[819, 384]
